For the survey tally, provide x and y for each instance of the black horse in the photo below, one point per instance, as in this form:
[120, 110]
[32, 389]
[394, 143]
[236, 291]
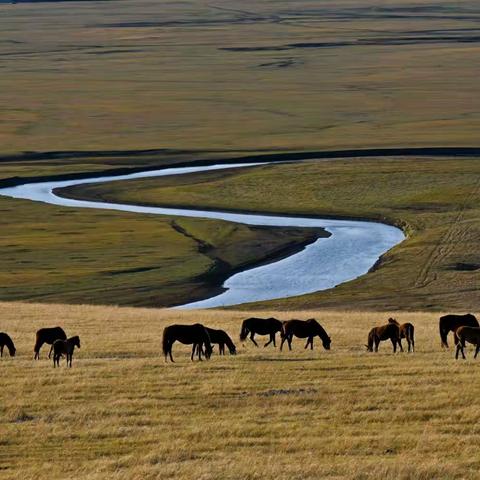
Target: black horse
[450, 323]
[221, 338]
[48, 336]
[195, 335]
[304, 329]
[65, 347]
[260, 326]
[6, 341]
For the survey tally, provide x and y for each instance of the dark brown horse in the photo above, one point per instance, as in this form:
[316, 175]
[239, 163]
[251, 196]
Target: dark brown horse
[221, 338]
[195, 335]
[260, 326]
[48, 336]
[304, 329]
[6, 341]
[467, 334]
[65, 347]
[390, 331]
[407, 331]
[449, 323]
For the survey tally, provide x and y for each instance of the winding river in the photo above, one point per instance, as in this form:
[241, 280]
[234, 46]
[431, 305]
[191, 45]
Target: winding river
[350, 251]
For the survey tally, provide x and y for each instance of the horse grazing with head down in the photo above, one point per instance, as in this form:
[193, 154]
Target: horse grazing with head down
[467, 334]
[65, 347]
[48, 336]
[195, 335]
[260, 326]
[407, 331]
[390, 331]
[304, 329]
[450, 323]
[221, 338]
[6, 341]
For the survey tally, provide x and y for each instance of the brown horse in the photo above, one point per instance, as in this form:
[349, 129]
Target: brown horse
[195, 335]
[449, 323]
[221, 338]
[6, 341]
[48, 336]
[304, 329]
[467, 334]
[65, 347]
[407, 331]
[390, 331]
[260, 326]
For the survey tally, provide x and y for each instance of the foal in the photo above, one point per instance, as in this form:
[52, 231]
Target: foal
[64, 347]
[385, 332]
[407, 331]
[470, 335]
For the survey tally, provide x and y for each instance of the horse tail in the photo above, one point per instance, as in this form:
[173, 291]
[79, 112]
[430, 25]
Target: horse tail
[244, 331]
[165, 342]
[443, 332]
[371, 337]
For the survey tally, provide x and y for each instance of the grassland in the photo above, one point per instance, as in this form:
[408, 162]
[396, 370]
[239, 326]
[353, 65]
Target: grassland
[435, 201]
[265, 75]
[121, 412]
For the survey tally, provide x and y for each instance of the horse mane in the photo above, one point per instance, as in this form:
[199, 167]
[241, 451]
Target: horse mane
[394, 321]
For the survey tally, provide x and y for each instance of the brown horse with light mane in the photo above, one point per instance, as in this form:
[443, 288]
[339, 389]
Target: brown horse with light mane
[407, 331]
[390, 331]
[467, 334]
[450, 323]
[304, 329]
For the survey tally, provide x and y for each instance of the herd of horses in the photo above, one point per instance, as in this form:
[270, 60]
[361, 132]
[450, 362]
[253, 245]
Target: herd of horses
[465, 329]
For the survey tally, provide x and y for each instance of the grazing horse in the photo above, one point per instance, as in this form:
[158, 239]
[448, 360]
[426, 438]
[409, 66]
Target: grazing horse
[221, 338]
[195, 335]
[407, 331]
[260, 326]
[65, 347]
[47, 335]
[390, 331]
[449, 323]
[6, 341]
[304, 329]
[467, 334]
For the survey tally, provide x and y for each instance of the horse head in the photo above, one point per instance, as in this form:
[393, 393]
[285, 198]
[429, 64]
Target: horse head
[208, 350]
[326, 343]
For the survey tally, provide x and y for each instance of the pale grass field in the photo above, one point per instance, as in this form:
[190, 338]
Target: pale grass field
[121, 412]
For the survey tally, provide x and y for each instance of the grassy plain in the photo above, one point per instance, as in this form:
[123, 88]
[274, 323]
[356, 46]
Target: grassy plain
[121, 412]
[435, 201]
[260, 75]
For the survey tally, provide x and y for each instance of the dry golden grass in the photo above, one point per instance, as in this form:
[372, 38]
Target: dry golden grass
[121, 412]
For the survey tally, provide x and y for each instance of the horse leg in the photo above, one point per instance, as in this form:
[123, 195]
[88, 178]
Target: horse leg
[311, 343]
[282, 342]
[394, 343]
[272, 339]
[50, 352]
[252, 338]
[400, 344]
[289, 340]
[377, 343]
[1, 351]
[476, 351]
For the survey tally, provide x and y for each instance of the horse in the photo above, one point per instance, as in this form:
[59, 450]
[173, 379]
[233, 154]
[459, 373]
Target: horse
[195, 335]
[48, 336]
[407, 331]
[304, 329]
[6, 341]
[467, 334]
[260, 326]
[449, 323]
[64, 347]
[221, 338]
[385, 332]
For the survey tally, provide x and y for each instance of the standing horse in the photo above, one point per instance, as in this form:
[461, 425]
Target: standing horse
[449, 323]
[304, 329]
[407, 331]
[390, 331]
[195, 335]
[260, 326]
[6, 341]
[48, 336]
[467, 334]
[65, 347]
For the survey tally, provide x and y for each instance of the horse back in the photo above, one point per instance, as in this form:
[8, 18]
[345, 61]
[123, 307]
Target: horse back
[452, 321]
[49, 335]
